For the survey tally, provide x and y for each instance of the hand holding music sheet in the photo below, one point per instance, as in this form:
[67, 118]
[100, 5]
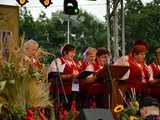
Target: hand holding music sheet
[117, 71]
[84, 74]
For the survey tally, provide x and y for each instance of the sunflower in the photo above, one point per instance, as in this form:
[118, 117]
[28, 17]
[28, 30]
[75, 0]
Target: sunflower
[118, 108]
[133, 118]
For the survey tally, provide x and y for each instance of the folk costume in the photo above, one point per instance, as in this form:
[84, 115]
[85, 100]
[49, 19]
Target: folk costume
[139, 74]
[155, 68]
[66, 68]
[92, 93]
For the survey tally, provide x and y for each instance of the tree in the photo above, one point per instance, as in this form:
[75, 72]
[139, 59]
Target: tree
[85, 30]
[142, 22]
[26, 24]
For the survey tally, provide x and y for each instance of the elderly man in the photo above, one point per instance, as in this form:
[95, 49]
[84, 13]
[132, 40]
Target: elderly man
[139, 74]
[30, 54]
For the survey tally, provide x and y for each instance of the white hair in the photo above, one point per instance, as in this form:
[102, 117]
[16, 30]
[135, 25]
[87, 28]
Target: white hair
[28, 43]
[88, 51]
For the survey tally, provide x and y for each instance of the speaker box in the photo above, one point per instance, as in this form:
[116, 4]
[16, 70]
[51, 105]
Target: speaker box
[95, 114]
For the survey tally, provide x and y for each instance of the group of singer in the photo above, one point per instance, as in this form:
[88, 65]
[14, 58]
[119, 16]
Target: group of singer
[69, 92]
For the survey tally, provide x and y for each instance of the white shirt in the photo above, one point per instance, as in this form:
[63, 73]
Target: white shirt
[56, 63]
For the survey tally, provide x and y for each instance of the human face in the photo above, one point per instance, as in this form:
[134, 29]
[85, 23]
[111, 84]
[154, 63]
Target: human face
[71, 54]
[91, 57]
[139, 57]
[102, 59]
[32, 50]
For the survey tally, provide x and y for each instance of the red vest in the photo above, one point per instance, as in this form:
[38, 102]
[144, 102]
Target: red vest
[139, 75]
[69, 69]
[155, 90]
[85, 64]
[95, 88]
[156, 69]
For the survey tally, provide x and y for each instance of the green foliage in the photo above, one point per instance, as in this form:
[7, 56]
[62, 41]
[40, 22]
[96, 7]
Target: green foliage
[51, 33]
[17, 112]
[129, 112]
[141, 22]
[26, 24]
[21, 85]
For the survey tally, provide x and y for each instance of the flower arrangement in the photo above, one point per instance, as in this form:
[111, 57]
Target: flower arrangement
[129, 110]
[23, 89]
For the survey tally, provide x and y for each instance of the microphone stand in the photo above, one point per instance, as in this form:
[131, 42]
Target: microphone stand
[59, 80]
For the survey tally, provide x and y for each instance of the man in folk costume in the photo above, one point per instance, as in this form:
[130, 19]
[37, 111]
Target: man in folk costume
[30, 50]
[68, 70]
[139, 74]
[155, 67]
[30, 54]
